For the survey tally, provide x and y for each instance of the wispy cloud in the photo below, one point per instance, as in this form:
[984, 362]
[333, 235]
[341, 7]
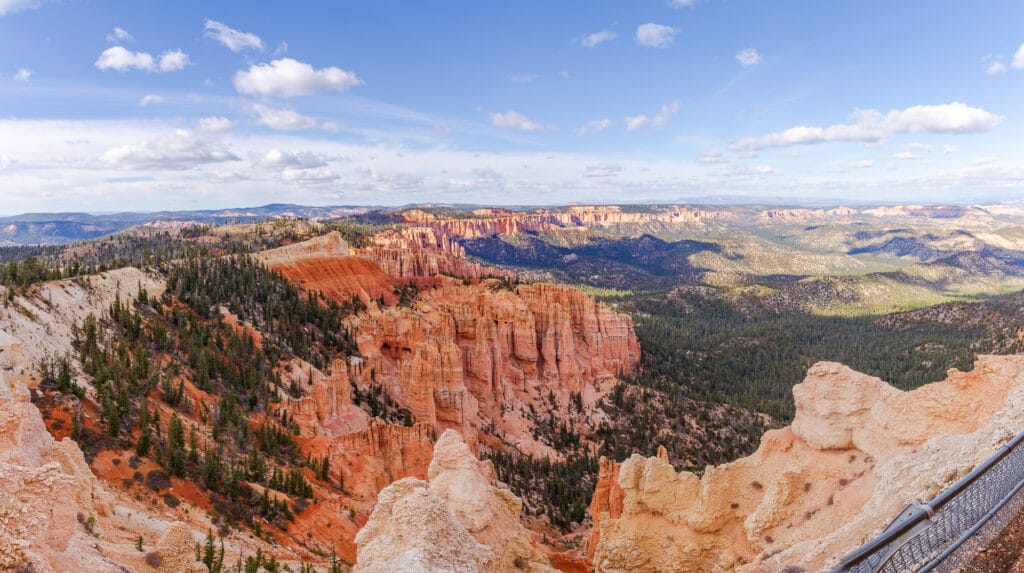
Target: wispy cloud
[638, 122]
[277, 158]
[906, 155]
[594, 126]
[232, 39]
[597, 38]
[150, 99]
[653, 35]
[713, 156]
[860, 164]
[522, 78]
[602, 170]
[177, 151]
[514, 120]
[215, 124]
[9, 6]
[748, 57]
[873, 126]
[282, 119]
[23, 74]
[119, 36]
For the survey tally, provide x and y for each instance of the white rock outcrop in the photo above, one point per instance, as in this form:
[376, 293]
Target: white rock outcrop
[457, 522]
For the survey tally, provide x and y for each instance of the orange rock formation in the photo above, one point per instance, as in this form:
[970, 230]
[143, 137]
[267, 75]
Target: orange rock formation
[465, 357]
[857, 452]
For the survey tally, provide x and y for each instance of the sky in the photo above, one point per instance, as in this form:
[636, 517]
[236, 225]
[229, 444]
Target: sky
[120, 105]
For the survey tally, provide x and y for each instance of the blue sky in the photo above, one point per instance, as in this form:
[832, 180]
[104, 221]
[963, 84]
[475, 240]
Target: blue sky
[125, 105]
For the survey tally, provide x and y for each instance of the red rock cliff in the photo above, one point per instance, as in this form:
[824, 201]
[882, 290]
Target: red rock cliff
[466, 357]
[476, 358]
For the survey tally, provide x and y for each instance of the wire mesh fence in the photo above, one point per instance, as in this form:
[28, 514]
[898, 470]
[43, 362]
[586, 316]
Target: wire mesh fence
[948, 530]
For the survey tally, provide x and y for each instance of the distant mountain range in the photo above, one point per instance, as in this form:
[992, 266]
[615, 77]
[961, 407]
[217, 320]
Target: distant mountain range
[55, 228]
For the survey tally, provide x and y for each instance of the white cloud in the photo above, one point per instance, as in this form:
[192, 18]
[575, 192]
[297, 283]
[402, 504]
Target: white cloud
[564, 74]
[173, 60]
[215, 124]
[597, 38]
[282, 119]
[234, 40]
[6, 161]
[906, 156]
[121, 59]
[872, 126]
[860, 164]
[995, 68]
[748, 57]
[602, 170]
[288, 78]
[682, 3]
[949, 149]
[178, 151]
[514, 120]
[330, 126]
[638, 122]
[119, 36]
[151, 99]
[711, 157]
[309, 176]
[594, 126]
[522, 78]
[918, 147]
[227, 175]
[8, 6]
[276, 158]
[653, 35]
[281, 50]
[743, 171]
[23, 74]
[1018, 58]
[57, 163]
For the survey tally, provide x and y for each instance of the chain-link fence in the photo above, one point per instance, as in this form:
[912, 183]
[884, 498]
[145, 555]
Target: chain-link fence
[945, 532]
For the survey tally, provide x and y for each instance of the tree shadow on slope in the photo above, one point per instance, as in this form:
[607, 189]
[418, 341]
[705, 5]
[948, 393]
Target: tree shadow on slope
[629, 262]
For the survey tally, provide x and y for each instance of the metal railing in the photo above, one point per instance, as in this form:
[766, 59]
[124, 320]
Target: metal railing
[948, 530]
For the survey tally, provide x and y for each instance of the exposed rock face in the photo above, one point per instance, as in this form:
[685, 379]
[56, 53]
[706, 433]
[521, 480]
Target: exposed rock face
[413, 263]
[41, 327]
[490, 514]
[331, 244]
[337, 277]
[381, 454]
[465, 356]
[462, 357]
[327, 408]
[803, 215]
[497, 222]
[44, 485]
[176, 549]
[459, 522]
[605, 504]
[414, 252]
[412, 530]
[857, 452]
